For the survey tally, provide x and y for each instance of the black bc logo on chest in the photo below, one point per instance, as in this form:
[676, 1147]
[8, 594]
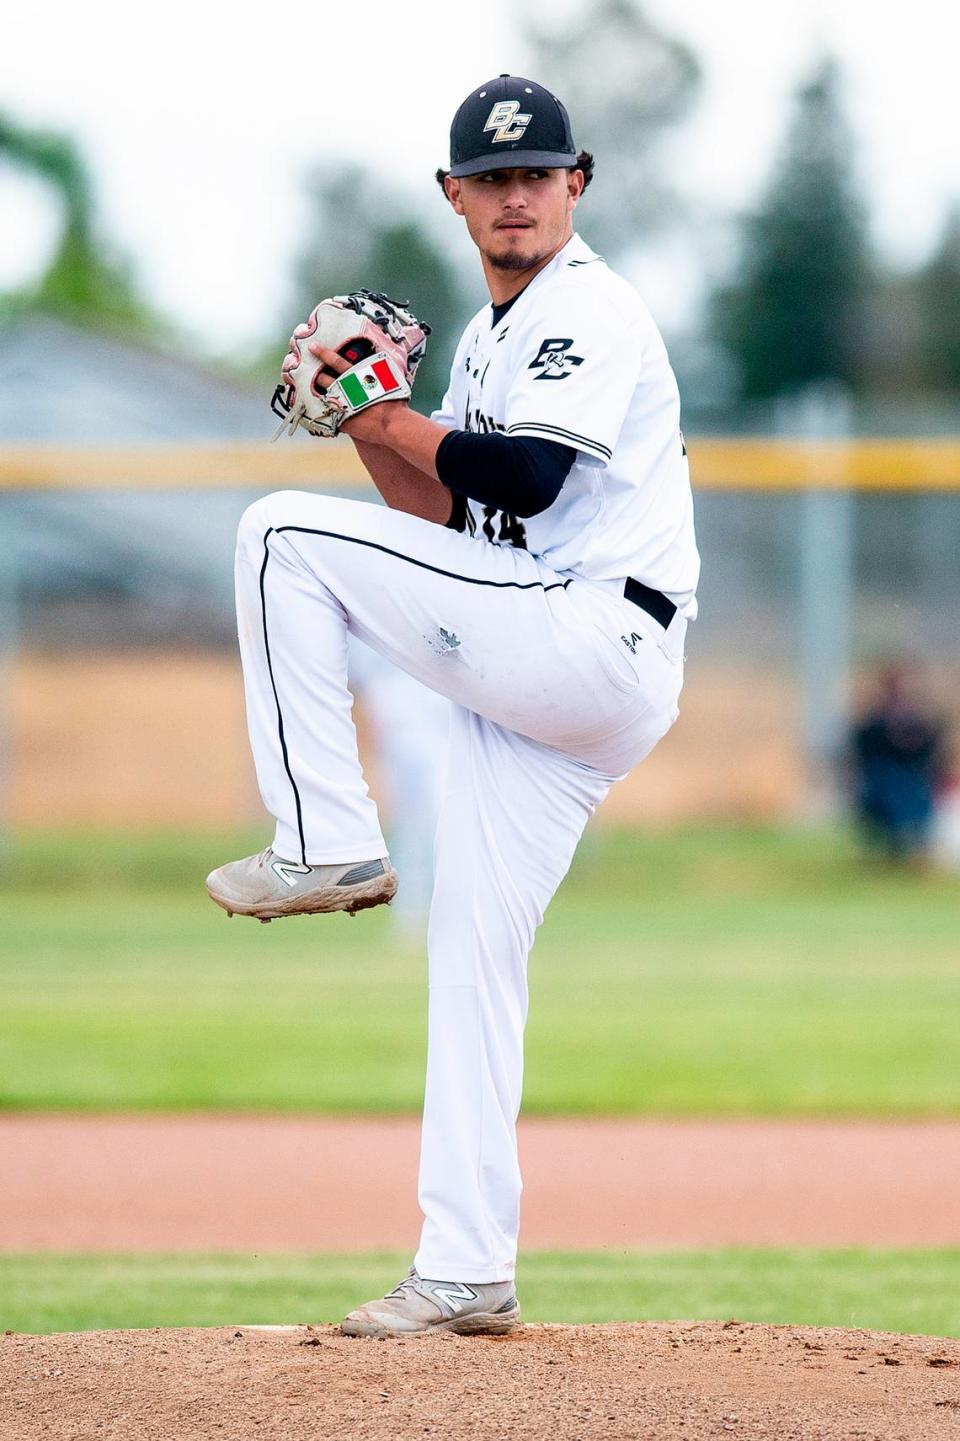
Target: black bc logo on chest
[553, 360]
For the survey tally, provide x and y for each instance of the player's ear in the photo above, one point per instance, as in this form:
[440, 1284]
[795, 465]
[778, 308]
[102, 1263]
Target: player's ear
[451, 189]
[574, 187]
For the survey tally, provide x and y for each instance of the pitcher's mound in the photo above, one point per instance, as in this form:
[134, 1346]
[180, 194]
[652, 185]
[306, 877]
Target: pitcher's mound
[657, 1380]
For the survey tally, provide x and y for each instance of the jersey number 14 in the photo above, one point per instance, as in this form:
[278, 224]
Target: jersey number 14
[510, 529]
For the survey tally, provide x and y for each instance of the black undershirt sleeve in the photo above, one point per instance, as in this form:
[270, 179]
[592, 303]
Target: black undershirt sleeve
[516, 473]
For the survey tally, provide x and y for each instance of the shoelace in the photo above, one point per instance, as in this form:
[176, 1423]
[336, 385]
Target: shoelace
[409, 1283]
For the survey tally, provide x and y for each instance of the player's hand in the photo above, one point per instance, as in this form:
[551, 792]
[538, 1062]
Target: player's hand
[370, 425]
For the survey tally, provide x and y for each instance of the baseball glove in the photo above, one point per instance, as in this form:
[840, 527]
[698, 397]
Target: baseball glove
[384, 343]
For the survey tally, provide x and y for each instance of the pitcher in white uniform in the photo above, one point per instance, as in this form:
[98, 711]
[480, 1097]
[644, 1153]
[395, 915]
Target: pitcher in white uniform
[535, 563]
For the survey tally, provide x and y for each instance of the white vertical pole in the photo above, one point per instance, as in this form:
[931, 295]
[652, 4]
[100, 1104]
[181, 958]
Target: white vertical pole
[826, 559]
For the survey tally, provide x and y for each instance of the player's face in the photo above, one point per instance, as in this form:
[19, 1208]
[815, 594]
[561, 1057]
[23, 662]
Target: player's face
[517, 218]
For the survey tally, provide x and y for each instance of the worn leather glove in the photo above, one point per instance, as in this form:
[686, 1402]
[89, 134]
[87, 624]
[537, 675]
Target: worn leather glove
[385, 343]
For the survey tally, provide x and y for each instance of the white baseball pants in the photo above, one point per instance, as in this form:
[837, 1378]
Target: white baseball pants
[559, 686]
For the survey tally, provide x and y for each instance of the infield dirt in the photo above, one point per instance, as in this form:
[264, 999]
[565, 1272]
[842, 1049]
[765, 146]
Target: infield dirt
[655, 1380]
[210, 1183]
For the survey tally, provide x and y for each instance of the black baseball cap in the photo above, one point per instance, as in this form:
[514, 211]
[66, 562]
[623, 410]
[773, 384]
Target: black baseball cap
[510, 122]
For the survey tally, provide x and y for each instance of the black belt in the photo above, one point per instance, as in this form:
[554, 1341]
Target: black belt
[654, 602]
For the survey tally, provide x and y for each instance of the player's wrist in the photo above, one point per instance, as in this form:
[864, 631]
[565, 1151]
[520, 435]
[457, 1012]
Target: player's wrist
[391, 417]
[374, 424]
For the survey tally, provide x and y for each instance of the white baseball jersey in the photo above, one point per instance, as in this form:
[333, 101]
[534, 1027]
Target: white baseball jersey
[578, 359]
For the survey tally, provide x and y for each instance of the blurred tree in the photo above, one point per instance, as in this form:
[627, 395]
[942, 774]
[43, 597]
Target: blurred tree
[938, 304]
[83, 282]
[360, 234]
[626, 85]
[795, 312]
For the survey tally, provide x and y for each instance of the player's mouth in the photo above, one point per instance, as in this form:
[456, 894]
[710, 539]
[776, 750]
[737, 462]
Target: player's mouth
[514, 225]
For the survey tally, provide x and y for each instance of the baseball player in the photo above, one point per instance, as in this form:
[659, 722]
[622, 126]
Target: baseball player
[535, 563]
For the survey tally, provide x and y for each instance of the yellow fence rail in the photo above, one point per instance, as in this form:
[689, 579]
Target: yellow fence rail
[717, 463]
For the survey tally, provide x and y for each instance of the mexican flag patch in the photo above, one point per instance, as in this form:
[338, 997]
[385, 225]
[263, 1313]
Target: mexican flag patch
[368, 382]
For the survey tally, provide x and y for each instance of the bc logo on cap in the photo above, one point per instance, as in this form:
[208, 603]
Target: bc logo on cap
[503, 118]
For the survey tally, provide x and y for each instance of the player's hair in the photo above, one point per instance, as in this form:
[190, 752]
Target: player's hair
[584, 163]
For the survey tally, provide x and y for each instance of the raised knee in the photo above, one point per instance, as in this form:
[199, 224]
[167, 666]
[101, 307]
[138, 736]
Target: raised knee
[264, 515]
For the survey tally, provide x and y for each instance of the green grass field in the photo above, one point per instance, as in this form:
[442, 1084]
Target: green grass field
[708, 971]
[908, 1291]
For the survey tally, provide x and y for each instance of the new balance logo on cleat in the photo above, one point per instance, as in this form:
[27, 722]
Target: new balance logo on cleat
[288, 871]
[453, 1295]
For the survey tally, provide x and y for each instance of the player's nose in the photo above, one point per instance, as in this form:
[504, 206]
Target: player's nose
[516, 197]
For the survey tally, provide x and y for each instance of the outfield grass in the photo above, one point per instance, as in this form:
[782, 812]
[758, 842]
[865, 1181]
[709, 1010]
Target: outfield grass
[708, 971]
[907, 1291]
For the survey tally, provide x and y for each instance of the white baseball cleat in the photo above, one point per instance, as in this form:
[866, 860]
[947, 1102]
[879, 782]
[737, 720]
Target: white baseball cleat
[417, 1306]
[268, 887]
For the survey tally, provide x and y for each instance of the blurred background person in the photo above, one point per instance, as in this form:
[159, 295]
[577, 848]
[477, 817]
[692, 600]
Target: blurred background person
[898, 758]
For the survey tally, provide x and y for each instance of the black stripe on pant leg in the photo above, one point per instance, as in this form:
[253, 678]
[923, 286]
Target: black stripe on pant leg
[424, 565]
[283, 742]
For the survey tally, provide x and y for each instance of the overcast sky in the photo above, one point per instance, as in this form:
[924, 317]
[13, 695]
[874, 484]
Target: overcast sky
[198, 119]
